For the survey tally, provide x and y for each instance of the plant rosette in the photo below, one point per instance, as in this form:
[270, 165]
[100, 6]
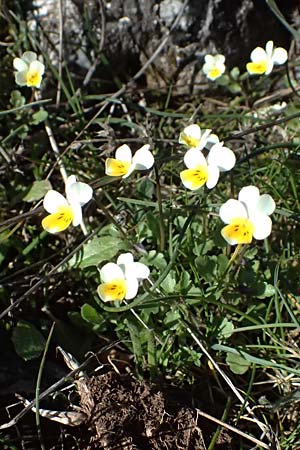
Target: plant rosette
[29, 70]
[121, 280]
[201, 170]
[66, 210]
[263, 60]
[214, 66]
[193, 138]
[247, 217]
[124, 163]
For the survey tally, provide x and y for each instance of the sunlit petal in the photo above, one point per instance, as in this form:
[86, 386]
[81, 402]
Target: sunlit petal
[279, 56]
[213, 176]
[190, 136]
[265, 204]
[269, 48]
[195, 178]
[111, 271]
[132, 285]
[143, 158]
[114, 290]
[221, 156]
[59, 221]
[79, 192]
[125, 258]
[249, 195]
[77, 213]
[116, 167]
[239, 231]
[262, 225]
[194, 158]
[53, 200]
[257, 68]
[124, 154]
[258, 54]
[232, 209]
[20, 65]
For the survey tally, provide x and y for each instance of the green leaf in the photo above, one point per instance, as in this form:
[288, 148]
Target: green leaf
[226, 328]
[237, 363]
[169, 283]
[99, 249]
[91, 315]
[268, 291]
[28, 341]
[37, 191]
[39, 117]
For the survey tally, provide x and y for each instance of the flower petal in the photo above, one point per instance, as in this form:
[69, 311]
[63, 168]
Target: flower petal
[262, 225]
[132, 288]
[53, 200]
[213, 176]
[265, 204]
[279, 56]
[231, 210]
[249, 195]
[111, 271]
[239, 231]
[222, 157]
[59, 221]
[20, 65]
[140, 271]
[117, 168]
[21, 78]
[124, 154]
[77, 213]
[190, 136]
[194, 158]
[195, 178]
[257, 68]
[258, 54]
[29, 57]
[143, 158]
[125, 258]
[79, 192]
[269, 49]
[114, 290]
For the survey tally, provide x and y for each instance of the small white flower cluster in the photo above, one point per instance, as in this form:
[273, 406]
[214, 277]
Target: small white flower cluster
[121, 281]
[201, 170]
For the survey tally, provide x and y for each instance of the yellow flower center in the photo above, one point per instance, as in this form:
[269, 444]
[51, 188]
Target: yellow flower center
[239, 231]
[116, 168]
[257, 68]
[59, 221]
[194, 178]
[33, 78]
[112, 291]
[214, 73]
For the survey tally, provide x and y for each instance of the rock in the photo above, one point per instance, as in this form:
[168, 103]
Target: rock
[134, 29]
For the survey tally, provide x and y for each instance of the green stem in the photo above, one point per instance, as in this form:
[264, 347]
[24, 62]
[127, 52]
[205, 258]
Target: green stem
[162, 240]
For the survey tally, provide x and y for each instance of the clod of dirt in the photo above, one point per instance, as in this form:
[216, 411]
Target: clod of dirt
[130, 415]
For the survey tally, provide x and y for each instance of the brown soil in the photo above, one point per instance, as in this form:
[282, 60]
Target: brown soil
[130, 415]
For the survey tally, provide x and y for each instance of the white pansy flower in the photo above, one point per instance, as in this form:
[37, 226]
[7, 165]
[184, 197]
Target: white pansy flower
[124, 163]
[201, 170]
[263, 60]
[29, 70]
[247, 217]
[66, 210]
[193, 137]
[214, 66]
[121, 281]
